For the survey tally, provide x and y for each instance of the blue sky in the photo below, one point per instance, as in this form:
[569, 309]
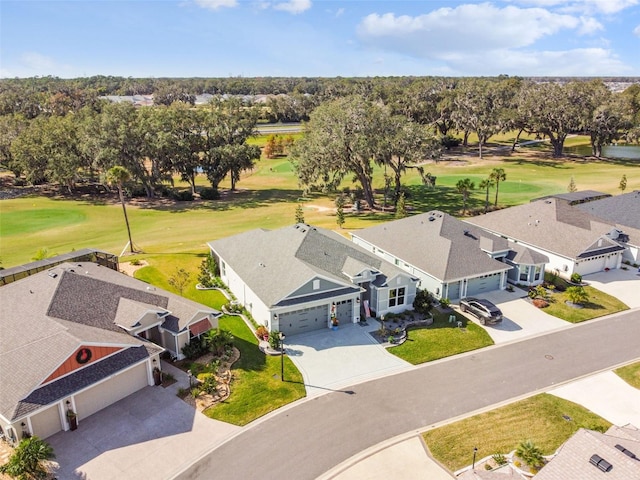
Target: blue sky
[222, 38]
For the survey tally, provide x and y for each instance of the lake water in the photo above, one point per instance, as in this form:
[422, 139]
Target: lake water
[611, 151]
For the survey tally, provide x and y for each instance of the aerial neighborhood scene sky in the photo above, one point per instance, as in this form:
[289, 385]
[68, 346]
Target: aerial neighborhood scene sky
[223, 38]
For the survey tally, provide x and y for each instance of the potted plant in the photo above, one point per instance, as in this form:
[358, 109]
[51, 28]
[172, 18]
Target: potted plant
[334, 323]
[72, 418]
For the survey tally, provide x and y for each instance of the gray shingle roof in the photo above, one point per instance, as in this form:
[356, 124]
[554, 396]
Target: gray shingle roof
[576, 197]
[437, 244]
[573, 457]
[45, 317]
[623, 209]
[551, 225]
[275, 263]
[82, 378]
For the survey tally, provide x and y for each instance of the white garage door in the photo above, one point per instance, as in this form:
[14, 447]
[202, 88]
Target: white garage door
[304, 320]
[486, 283]
[47, 422]
[106, 393]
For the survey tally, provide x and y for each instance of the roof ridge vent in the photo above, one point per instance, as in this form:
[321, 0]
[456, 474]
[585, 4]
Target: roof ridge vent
[600, 462]
[628, 453]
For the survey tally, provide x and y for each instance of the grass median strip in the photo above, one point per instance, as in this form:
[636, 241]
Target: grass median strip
[630, 374]
[442, 339]
[540, 418]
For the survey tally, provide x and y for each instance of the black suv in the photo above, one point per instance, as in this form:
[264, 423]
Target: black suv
[486, 311]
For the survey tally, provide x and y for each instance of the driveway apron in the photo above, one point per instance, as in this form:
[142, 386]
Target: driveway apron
[329, 360]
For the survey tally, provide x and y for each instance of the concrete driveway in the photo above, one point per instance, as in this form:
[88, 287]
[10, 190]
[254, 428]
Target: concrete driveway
[521, 318]
[330, 360]
[146, 435]
[622, 284]
[607, 395]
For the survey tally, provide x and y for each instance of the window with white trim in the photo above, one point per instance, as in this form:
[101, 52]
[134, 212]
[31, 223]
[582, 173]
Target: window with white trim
[316, 284]
[396, 296]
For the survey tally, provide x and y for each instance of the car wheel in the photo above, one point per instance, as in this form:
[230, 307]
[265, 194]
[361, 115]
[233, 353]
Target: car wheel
[463, 308]
[483, 321]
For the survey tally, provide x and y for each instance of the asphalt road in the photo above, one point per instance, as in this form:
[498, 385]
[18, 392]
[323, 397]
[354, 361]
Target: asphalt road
[307, 440]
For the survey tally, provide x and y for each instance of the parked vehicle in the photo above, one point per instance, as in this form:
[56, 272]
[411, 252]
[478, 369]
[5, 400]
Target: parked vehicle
[483, 309]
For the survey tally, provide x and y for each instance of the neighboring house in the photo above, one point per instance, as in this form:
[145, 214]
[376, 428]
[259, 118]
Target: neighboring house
[575, 241]
[80, 336]
[298, 278]
[590, 455]
[452, 259]
[623, 211]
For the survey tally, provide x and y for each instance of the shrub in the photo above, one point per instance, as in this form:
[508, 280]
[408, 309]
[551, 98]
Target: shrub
[423, 302]
[182, 196]
[135, 262]
[499, 458]
[445, 302]
[447, 141]
[576, 278]
[194, 349]
[274, 339]
[487, 466]
[209, 194]
[530, 453]
[262, 332]
[209, 383]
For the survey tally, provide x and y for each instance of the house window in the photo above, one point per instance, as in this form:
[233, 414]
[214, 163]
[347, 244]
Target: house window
[396, 296]
[223, 269]
[316, 284]
[524, 273]
[537, 272]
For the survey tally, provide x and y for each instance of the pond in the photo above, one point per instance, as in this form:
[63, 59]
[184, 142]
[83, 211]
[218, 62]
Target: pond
[610, 151]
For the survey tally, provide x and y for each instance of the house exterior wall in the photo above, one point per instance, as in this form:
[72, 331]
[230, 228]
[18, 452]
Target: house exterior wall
[383, 296]
[323, 284]
[182, 339]
[247, 298]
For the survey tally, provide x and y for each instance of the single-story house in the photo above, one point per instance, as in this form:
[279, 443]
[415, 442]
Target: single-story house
[300, 278]
[79, 337]
[591, 455]
[623, 212]
[451, 258]
[574, 240]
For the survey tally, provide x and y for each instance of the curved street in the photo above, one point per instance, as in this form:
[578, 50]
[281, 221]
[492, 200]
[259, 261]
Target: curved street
[309, 438]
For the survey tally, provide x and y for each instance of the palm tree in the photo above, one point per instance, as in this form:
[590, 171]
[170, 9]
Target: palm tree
[464, 188]
[498, 175]
[26, 461]
[577, 294]
[118, 176]
[528, 452]
[486, 184]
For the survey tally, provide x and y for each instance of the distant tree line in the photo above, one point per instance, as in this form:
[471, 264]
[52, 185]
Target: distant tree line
[55, 130]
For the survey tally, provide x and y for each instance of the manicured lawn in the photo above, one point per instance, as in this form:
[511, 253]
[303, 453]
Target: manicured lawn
[267, 198]
[630, 374]
[442, 339]
[599, 304]
[256, 389]
[538, 418]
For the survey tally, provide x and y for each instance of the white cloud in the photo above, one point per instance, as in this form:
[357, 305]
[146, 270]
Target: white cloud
[37, 61]
[293, 6]
[466, 28]
[216, 4]
[636, 31]
[339, 12]
[575, 62]
[589, 25]
[584, 6]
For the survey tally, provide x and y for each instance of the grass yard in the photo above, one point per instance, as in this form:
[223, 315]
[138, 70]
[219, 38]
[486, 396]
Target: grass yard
[599, 304]
[538, 418]
[256, 389]
[442, 339]
[630, 374]
[267, 198]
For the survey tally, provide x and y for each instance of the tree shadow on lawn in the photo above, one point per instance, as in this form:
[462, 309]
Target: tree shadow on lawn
[251, 358]
[553, 163]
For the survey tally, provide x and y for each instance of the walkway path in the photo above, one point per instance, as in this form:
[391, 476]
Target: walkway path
[311, 437]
